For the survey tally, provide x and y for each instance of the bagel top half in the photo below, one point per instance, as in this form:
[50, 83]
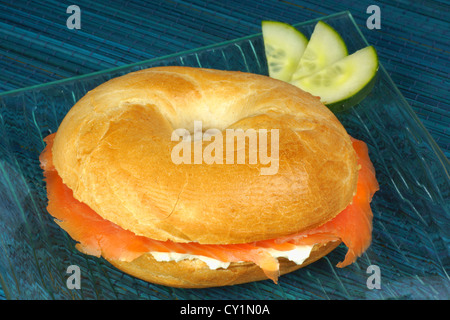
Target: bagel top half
[113, 150]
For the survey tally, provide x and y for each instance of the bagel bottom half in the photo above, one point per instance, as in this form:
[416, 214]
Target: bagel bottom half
[196, 274]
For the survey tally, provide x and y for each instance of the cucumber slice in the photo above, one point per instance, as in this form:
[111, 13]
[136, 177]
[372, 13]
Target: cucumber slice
[345, 82]
[284, 45]
[325, 47]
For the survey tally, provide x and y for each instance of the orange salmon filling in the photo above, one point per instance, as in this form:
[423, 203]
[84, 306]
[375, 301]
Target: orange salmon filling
[99, 237]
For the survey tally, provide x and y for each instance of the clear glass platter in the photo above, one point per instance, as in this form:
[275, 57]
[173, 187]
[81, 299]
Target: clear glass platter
[411, 211]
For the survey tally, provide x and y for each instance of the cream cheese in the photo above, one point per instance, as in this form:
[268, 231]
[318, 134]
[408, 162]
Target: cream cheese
[297, 255]
[174, 256]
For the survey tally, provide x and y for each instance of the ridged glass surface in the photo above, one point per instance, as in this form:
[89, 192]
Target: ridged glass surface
[411, 211]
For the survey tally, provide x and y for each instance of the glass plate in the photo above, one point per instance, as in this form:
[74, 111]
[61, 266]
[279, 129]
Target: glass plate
[411, 211]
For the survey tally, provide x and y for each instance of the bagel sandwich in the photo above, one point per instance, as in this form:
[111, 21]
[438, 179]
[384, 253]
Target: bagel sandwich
[114, 187]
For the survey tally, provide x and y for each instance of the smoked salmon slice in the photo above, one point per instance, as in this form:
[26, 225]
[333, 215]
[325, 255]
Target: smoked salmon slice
[99, 237]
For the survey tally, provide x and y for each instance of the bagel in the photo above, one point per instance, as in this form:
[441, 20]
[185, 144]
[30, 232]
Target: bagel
[114, 154]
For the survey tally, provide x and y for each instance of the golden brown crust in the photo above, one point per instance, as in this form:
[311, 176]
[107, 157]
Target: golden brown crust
[113, 149]
[196, 274]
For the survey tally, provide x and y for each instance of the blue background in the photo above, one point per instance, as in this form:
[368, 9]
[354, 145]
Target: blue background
[36, 47]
